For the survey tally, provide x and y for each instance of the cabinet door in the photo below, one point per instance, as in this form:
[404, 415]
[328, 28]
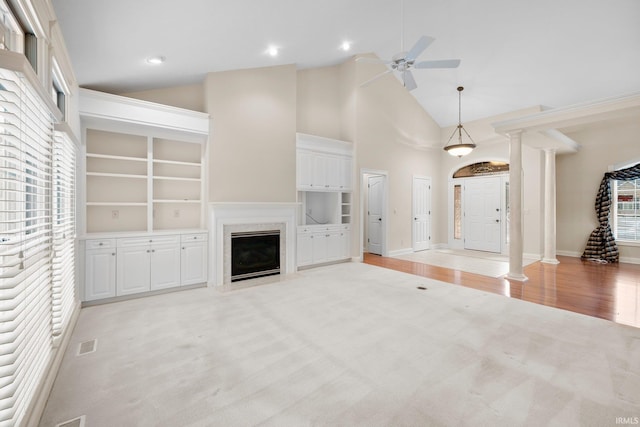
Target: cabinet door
[345, 173]
[165, 266]
[319, 179]
[305, 249]
[334, 246]
[319, 247]
[133, 270]
[193, 262]
[100, 274]
[304, 170]
[333, 172]
[345, 244]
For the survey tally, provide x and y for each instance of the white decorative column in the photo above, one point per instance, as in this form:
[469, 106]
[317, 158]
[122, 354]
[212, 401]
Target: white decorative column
[515, 207]
[550, 207]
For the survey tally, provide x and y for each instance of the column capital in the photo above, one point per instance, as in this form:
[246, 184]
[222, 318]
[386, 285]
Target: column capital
[515, 133]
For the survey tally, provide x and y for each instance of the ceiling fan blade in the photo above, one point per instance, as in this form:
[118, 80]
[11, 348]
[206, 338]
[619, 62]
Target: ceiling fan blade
[422, 43]
[409, 81]
[373, 60]
[368, 82]
[442, 63]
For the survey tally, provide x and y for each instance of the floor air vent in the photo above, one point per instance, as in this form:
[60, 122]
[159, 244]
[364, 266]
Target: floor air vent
[87, 347]
[76, 422]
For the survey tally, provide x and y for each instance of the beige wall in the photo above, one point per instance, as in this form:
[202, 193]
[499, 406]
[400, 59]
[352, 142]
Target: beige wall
[318, 102]
[602, 145]
[391, 133]
[190, 97]
[252, 150]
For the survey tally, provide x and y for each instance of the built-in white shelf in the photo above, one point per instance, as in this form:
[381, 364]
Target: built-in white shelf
[175, 162]
[117, 204]
[112, 157]
[116, 175]
[176, 178]
[176, 201]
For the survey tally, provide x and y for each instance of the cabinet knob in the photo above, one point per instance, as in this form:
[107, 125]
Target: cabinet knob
[195, 237]
[114, 254]
[183, 248]
[153, 250]
[150, 241]
[100, 244]
[148, 251]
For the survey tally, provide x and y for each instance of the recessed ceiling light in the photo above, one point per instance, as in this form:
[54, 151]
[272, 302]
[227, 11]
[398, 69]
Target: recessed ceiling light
[346, 46]
[272, 51]
[156, 60]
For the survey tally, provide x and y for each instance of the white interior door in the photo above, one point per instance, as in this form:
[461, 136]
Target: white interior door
[482, 228]
[374, 214]
[421, 213]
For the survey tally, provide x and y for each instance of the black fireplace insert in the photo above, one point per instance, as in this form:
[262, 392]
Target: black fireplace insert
[255, 254]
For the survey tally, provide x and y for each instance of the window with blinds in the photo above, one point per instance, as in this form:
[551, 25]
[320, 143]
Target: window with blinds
[27, 244]
[64, 229]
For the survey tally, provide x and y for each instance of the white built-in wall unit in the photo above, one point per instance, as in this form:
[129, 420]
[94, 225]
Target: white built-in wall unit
[324, 176]
[38, 146]
[144, 196]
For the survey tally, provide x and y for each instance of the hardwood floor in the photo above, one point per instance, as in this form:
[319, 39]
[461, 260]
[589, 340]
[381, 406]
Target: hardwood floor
[607, 291]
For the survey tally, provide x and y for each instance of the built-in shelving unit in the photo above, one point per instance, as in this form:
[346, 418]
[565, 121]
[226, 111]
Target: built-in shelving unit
[324, 180]
[144, 165]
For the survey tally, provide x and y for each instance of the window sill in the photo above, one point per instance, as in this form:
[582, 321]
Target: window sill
[628, 243]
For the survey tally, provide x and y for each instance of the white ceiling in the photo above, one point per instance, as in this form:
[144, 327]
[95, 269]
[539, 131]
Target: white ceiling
[515, 53]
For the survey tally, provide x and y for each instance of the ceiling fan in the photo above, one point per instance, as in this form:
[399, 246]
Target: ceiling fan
[403, 62]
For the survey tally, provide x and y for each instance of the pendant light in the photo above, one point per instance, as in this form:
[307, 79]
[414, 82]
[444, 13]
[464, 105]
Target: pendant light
[460, 148]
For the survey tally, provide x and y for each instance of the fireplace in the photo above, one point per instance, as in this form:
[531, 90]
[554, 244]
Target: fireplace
[255, 254]
[251, 218]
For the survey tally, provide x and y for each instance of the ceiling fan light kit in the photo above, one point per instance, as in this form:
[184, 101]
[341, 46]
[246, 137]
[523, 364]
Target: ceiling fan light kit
[460, 148]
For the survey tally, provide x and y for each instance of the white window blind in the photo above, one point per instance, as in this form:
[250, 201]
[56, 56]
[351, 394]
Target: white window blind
[64, 227]
[26, 239]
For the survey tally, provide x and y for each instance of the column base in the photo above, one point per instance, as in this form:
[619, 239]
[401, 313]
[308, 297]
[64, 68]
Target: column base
[550, 261]
[516, 277]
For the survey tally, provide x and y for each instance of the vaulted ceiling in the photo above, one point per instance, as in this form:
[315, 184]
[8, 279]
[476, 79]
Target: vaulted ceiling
[515, 53]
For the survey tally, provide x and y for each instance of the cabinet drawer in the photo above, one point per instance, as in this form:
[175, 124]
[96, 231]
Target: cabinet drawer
[100, 244]
[148, 240]
[199, 237]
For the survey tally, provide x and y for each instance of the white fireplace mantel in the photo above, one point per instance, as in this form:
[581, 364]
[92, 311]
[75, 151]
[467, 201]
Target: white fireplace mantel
[223, 214]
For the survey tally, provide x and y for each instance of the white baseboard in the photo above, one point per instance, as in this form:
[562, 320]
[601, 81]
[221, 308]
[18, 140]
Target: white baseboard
[630, 260]
[401, 252]
[436, 246]
[569, 253]
[537, 257]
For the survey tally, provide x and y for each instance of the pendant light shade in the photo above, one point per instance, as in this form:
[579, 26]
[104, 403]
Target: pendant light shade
[459, 147]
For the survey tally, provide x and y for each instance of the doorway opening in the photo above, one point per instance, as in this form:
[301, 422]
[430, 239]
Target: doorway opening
[373, 212]
[479, 207]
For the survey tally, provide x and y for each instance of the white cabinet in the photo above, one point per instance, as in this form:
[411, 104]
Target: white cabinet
[305, 248]
[320, 244]
[133, 270]
[193, 259]
[100, 271]
[148, 264]
[323, 172]
[165, 266]
[131, 265]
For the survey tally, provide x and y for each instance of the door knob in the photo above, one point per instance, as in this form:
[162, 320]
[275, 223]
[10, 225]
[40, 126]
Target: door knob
[379, 219]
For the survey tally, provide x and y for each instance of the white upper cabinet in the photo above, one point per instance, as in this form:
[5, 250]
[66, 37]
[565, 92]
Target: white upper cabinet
[323, 164]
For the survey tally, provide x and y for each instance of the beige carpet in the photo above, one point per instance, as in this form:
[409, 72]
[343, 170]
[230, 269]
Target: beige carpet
[348, 344]
[477, 262]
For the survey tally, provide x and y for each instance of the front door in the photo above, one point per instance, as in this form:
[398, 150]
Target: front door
[421, 213]
[482, 214]
[374, 214]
